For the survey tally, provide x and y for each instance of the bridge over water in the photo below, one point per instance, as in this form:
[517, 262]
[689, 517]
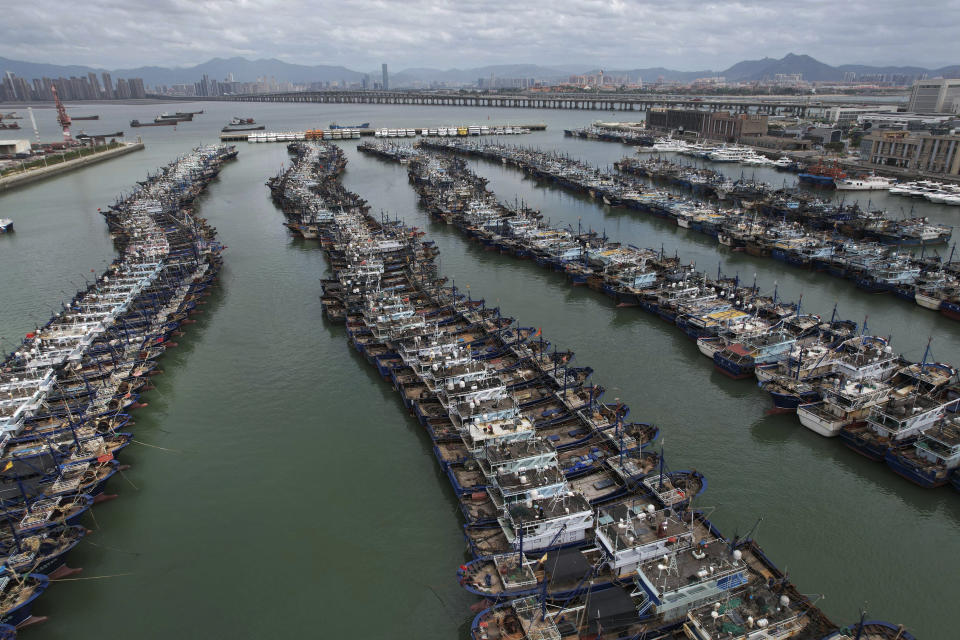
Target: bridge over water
[598, 102]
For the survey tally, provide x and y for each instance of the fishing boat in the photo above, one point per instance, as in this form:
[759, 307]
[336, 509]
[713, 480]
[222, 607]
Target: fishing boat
[739, 359]
[17, 595]
[845, 404]
[934, 456]
[871, 630]
[896, 423]
[822, 174]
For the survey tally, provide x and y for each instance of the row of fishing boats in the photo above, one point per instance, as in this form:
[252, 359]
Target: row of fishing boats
[838, 380]
[67, 389]
[811, 237]
[574, 526]
[609, 134]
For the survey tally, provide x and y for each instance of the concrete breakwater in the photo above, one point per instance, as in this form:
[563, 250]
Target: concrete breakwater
[40, 173]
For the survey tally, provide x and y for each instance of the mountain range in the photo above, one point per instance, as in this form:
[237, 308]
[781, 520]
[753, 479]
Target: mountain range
[249, 70]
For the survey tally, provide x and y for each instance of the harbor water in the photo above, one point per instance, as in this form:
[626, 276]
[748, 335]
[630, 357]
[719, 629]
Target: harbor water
[278, 486]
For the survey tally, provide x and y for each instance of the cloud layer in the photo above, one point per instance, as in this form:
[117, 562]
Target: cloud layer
[680, 34]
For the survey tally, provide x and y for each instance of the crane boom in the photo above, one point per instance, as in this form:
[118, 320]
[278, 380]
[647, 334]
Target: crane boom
[62, 116]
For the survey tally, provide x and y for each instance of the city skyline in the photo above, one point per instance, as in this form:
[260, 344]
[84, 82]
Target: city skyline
[618, 34]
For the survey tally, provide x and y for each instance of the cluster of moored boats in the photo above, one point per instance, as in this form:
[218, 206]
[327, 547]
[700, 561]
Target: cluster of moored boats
[838, 239]
[66, 390]
[937, 192]
[839, 382]
[719, 153]
[609, 134]
[452, 131]
[574, 526]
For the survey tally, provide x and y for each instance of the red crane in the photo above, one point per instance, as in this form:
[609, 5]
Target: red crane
[62, 116]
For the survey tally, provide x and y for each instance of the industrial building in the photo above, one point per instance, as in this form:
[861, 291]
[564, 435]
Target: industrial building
[13, 147]
[849, 115]
[718, 125]
[940, 95]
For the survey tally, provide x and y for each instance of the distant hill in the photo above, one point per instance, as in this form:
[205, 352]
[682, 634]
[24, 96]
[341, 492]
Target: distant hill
[249, 70]
[242, 69]
[767, 68]
[472, 74]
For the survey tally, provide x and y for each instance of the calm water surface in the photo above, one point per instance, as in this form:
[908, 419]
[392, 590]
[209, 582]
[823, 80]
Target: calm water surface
[278, 487]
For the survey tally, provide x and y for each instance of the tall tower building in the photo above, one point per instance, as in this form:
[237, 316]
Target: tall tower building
[107, 86]
[386, 79]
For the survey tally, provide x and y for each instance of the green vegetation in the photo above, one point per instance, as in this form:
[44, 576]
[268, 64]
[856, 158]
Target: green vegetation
[56, 158]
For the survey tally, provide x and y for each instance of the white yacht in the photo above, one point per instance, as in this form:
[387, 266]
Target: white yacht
[871, 182]
[664, 145]
[732, 154]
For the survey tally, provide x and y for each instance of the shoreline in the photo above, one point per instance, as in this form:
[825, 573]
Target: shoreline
[41, 173]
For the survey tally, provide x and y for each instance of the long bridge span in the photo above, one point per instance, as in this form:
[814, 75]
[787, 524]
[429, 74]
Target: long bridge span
[606, 102]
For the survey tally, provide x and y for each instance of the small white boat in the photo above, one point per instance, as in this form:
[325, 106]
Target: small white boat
[865, 183]
[6, 225]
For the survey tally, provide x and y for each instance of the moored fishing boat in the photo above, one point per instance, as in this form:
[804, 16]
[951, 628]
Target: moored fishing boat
[932, 458]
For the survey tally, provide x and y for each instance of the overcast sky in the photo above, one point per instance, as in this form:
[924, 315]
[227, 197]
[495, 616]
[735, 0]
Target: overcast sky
[359, 34]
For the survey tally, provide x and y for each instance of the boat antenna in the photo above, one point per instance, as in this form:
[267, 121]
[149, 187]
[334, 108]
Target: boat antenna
[863, 615]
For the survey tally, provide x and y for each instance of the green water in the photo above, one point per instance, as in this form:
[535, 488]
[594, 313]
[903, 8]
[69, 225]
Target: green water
[285, 491]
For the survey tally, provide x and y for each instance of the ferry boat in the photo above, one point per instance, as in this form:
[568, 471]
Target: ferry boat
[871, 182]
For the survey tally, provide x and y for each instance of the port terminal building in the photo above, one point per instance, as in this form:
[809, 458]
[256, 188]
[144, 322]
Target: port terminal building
[937, 155]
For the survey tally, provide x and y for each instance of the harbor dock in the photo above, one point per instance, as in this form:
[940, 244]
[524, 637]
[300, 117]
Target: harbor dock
[34, 174]
[347, 133]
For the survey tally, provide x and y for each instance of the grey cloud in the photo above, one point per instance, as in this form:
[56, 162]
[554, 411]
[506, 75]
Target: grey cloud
[681, 34]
